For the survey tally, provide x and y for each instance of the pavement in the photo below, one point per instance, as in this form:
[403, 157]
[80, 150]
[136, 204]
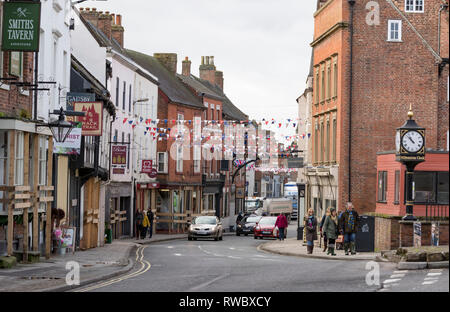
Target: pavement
[296, 248]
[95, 265]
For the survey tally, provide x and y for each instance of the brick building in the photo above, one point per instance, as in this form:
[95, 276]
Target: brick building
[180, 177]
[372, 59]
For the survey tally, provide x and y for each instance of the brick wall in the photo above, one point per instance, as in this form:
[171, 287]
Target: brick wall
[12, 102]
[406, 234]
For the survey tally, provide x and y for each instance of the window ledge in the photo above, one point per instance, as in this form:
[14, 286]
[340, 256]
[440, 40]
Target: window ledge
[396, 203]
[394, 41]
[381, 202]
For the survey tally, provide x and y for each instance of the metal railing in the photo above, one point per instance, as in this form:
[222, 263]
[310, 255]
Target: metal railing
[435, 211]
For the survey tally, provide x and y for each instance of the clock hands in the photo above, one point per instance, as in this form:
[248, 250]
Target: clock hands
[411, 140]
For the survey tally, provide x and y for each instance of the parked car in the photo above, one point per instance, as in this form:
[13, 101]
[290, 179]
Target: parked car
[205, 227]
[247, 225]
[266, 228]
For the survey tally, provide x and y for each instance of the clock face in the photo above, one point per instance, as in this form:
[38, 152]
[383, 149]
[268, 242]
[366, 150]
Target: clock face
[412, 141]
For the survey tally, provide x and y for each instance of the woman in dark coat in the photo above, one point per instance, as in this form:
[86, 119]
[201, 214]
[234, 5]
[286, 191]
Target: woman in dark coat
[311, 230]
[330, 227]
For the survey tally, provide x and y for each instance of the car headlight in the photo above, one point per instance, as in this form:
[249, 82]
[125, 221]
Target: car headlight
[257, 228]
[239, 226]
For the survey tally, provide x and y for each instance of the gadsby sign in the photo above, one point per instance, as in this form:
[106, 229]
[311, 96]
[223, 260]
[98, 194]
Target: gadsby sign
[21, 25]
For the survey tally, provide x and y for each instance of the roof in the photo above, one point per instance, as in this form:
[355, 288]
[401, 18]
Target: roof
[168, 82]
[212, 90]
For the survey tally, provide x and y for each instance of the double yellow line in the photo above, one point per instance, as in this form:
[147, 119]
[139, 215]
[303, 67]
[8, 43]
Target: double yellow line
[145, 266]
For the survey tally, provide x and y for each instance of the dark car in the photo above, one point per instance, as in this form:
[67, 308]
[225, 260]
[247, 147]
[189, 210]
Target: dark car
[266, 228]
[247, 225]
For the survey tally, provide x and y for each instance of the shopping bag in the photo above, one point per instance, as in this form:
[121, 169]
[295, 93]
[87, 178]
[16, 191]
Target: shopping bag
[340, 239]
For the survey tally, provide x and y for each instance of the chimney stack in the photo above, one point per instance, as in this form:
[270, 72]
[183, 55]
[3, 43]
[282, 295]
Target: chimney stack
[186, 67]
[219, 79]
[118, 30]
[208, 70]
[90, 16]
[168, 60]
[104, 23]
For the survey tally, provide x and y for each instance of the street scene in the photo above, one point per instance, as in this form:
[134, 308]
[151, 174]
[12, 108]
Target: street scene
[244, 147]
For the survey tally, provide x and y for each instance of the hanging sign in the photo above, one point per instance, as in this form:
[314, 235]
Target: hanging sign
[21, 26]
[72, 144]
[147, 166]
[92, 121]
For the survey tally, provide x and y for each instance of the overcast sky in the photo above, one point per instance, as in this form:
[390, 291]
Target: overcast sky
[262, 46]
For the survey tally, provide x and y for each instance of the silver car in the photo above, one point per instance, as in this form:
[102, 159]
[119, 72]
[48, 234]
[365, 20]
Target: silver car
[205, 227]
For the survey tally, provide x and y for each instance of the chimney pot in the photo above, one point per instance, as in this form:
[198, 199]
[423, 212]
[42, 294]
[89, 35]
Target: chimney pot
[207, 60]
[211, 58]
[203, 60]
[119, 20]
[186, 67]
[94, 9]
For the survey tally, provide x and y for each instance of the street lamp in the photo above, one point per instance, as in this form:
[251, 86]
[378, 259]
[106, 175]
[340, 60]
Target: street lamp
[60, 128]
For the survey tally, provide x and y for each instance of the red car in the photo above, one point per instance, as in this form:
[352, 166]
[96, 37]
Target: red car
[266, 228]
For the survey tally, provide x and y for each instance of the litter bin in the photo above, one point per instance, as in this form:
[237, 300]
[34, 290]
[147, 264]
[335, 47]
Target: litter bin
[108, 233]
[300, 233]
[365, 237]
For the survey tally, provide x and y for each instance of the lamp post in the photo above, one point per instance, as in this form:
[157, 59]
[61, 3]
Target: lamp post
[410, 151]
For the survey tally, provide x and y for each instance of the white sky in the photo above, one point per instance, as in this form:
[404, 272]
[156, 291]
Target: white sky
[262, 46]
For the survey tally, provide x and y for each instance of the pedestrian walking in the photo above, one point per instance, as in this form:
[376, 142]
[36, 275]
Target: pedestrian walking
[139, 219]
[330, 228]
[311, 230]
[145, 226]
[150, 216]
[349, 222]
[282, 225]
[323, 233]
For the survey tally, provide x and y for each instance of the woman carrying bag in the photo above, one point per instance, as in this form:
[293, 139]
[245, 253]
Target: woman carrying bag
[330, 227]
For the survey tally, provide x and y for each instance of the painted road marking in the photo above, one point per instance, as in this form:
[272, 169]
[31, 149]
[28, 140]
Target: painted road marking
[145, 266]
[397, 275]
[177, 254]
[429, 282]
[391, 280]
[434, 274]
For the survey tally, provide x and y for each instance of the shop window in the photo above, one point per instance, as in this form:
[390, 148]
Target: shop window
[442, 188]
[397, 187]
[18, 159]
[431, 187]
[382, 186]
[3, 164]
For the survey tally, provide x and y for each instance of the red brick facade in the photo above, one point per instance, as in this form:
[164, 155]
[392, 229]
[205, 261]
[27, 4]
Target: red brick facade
[387, 77]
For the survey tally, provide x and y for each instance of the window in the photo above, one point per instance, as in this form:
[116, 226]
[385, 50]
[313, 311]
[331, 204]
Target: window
[42, 159]
[395, 30]
[414, 6]
[117, 91]
[327, 147]
[431, 187]
[18, 159]
[397, 187]
[197, 144]
[162, 162]
[335, 83]
[128, 150]
[321, 142]
[382, 185]
[316, 143]
[317, 87]
[179, 167]
[334, 138]
[129, 100]
[116, 134]
[124, 94]
[328, 82]
[3, 164]
[322, 87]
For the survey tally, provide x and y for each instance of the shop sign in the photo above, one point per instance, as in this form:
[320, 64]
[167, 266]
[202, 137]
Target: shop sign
[118, 171]
[240, 192]
[72, 144]
[92, 121]
[72, 97]
[21, 26]
[119, 155]
[147, 166]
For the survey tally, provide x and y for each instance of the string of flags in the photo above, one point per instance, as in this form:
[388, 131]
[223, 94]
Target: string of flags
[152, 128]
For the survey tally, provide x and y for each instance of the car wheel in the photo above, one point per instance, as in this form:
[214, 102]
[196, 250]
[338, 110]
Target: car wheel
[190, 238]
[255, 237]
[237, 234]
[221, 238]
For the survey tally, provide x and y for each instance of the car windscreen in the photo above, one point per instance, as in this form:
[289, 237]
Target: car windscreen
[267, 221]
[252, 219]
[252, 204]
[205, 220]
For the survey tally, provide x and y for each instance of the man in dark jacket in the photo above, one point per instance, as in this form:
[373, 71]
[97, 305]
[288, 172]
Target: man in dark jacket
[150, 219]
[349, 223]
[139, 219]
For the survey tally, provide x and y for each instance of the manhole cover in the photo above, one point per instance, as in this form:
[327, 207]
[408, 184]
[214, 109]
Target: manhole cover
[40, 278]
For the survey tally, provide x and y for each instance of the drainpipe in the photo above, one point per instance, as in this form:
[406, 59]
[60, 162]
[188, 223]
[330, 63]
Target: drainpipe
[351, 3]
[443, 7]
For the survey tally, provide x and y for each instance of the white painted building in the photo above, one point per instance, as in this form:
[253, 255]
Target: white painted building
[54, 56]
